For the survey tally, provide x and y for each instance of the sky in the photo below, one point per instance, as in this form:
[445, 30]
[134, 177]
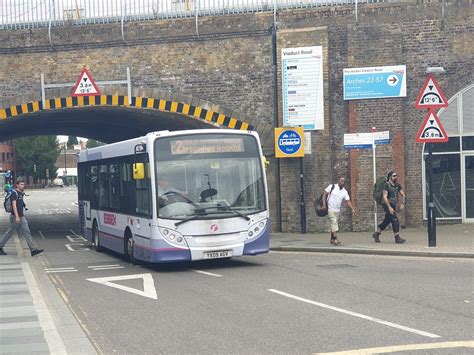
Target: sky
[63, 139]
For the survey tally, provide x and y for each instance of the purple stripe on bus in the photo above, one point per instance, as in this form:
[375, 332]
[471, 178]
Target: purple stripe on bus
[261, 244]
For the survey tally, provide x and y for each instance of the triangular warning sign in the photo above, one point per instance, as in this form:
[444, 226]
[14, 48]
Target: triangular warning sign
[431, 130]
[148, 284]
[85, 85]
[431, 95]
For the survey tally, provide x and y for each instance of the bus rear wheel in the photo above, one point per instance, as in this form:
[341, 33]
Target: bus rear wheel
[96, 238]
[128, 248]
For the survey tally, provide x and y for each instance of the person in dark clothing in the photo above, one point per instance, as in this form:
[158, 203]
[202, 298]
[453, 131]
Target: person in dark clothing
[391, 191]
[18, 220]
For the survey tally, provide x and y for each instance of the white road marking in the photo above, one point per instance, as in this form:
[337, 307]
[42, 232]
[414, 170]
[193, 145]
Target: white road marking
[60, 269]
[50, 333]
[206, 273]
[148, 284]
[108, 268]
[94, 266]
[408, 347]
[358, 315]
[41, 234]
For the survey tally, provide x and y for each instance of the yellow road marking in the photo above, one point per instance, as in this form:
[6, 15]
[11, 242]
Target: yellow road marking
[408, 347]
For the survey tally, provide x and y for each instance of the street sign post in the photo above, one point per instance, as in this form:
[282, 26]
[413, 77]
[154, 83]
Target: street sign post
[289, 143]
[366, 141]
[431, 131]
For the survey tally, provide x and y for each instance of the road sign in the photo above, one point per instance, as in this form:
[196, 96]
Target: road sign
[85, 85]
[148, 284]
[375, 82]
[431, 130]
[289, 142]
[358, 140]
[431, 95]
[382, 137]
[302, 87]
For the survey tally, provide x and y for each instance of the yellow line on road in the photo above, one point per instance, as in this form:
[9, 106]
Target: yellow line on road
[408, 347]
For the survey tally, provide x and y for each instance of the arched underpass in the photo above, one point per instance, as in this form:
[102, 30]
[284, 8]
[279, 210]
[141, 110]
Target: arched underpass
[111, 118]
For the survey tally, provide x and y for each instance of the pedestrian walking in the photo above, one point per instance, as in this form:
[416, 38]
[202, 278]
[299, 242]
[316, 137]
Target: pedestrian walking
[18, 221]
[334, 195]
[391, 190]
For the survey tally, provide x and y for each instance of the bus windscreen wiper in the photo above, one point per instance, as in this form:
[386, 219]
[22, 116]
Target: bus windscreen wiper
[224, 209]
[202, 212]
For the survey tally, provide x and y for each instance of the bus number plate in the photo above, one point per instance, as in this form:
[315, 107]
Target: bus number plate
[217, 254]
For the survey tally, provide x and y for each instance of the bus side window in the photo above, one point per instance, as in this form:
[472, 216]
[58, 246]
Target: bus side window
[127, 193]
[94, 187]
[103, 188]
[142, 190]
[114, 187]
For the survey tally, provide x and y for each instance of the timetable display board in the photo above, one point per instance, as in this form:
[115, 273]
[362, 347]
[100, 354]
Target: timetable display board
[302, 85]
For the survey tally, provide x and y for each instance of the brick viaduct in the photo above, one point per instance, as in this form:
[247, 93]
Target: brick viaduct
[226, 74]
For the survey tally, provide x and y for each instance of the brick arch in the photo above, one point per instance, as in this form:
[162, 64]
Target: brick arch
[143, 99]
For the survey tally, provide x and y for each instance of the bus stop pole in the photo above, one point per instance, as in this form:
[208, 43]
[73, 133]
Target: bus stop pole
[431, 207]
[302, 203]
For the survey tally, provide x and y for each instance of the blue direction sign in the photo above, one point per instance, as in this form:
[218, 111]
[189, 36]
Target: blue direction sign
[375, 82]
[289, 142]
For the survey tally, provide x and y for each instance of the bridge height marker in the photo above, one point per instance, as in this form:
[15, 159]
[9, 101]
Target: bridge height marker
[85, 85]
[127, 82]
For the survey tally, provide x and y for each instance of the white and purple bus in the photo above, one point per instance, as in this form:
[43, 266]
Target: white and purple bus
[176, 196]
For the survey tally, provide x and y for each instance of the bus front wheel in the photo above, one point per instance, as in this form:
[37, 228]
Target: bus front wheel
[96, 238]
[128, 249]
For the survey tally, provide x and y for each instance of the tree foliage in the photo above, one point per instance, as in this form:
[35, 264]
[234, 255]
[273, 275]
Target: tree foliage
[71, 141]
[40, 151]
[91, 143]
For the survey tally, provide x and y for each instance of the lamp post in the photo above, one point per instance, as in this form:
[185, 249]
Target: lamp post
[65, 162]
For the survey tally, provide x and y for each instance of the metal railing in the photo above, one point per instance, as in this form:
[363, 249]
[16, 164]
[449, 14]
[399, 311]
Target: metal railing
[21, 14]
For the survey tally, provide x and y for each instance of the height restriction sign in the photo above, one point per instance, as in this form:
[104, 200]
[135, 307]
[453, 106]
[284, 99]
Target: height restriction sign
[431, 130]
[85, 85]
[431, 95]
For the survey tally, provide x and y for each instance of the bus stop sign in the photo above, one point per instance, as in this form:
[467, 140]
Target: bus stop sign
[289, 142]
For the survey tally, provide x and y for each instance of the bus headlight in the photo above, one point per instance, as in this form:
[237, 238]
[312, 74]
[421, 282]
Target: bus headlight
[256, 229]
[172, 236]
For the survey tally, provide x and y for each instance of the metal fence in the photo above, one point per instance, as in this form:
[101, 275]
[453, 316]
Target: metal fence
[18, 14]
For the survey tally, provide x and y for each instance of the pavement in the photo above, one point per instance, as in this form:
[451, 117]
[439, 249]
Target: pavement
[452, 241]
[35, 318]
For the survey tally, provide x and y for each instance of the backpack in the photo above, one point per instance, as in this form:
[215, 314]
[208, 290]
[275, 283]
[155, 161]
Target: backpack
[7, 203]
[378, 189]
[318, 204]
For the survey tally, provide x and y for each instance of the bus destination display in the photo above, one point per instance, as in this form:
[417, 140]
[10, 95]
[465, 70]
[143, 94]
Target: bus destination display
[206, 146]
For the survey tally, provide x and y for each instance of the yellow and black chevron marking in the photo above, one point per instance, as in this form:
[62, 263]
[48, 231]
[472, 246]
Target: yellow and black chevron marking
[120, 100]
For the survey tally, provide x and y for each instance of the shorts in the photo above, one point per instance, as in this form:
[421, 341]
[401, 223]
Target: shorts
[333, 218]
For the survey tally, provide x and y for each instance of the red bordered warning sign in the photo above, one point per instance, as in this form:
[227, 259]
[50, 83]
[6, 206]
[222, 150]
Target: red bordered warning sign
[85, 85]
[431, 131]
[431, 95]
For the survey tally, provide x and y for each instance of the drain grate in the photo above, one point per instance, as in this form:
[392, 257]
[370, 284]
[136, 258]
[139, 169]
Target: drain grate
[336, 266]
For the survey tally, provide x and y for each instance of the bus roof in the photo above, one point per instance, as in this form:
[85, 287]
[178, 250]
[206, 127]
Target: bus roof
[127, 147]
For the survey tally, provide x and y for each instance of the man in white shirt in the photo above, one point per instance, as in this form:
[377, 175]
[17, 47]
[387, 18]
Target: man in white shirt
[333, 197]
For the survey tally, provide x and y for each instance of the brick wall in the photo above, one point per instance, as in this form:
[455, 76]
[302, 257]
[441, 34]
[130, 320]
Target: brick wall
[230, 64]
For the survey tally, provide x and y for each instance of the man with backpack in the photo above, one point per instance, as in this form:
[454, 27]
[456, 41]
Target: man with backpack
[16, 206]
[390, 192]
[332, 200]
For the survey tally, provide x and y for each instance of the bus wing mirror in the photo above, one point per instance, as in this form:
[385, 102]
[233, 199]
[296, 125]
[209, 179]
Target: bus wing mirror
[138, 171]
[266, 162]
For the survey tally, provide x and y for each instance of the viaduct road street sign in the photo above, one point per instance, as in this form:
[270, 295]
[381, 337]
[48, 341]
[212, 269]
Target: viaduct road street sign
[431, 95]
[289, 142]
[85, 85]
[375, 82]
[431, 130]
